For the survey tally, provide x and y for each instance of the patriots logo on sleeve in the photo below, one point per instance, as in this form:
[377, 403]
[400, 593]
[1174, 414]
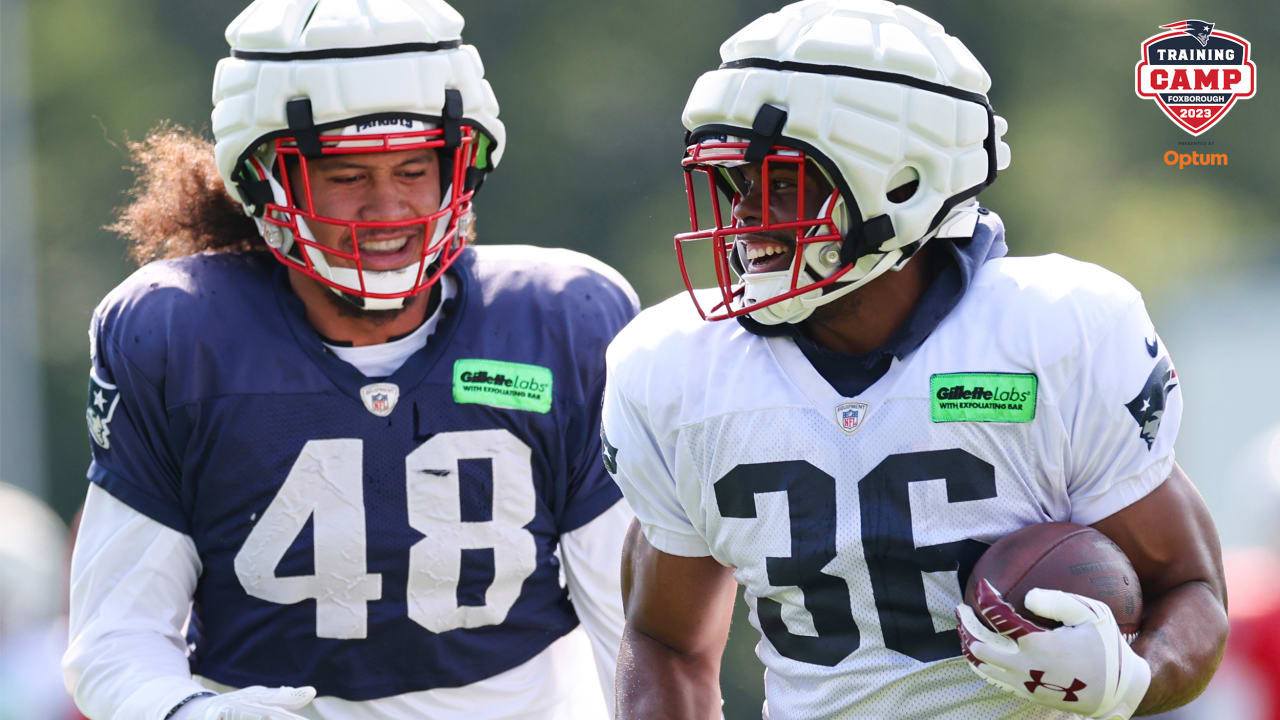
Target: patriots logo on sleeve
[1147, 407]
[103, 397]
[608, 453]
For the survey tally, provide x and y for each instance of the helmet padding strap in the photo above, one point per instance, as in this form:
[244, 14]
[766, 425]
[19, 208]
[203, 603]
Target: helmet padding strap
[298, 112]
[451, 117]
[766, 130]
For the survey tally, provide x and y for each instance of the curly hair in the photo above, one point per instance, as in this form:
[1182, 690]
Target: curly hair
[178, 204]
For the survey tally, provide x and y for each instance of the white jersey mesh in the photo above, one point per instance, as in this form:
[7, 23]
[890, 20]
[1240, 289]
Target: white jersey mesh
[730, 444]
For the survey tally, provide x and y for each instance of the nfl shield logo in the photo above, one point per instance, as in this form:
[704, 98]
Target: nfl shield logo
[849, 415]
[380, 398]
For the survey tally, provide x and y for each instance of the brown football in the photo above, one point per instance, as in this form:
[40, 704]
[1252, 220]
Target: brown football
[1061, 556]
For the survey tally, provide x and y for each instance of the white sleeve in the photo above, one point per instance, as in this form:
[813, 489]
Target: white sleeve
[132, 580]
[593, 566]
[635, 457]
[1125, 418]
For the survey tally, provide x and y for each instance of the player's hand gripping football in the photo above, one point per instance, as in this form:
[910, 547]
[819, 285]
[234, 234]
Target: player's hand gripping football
[1085, 666]
[251, 703]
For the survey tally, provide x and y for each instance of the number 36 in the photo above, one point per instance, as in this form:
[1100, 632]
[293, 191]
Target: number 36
[894, 563]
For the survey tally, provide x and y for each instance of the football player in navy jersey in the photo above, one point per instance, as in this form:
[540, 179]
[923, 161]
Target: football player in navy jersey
[345, 464]
[885, 394]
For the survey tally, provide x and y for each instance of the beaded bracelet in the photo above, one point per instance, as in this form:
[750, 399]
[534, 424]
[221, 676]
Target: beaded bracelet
[193, 696]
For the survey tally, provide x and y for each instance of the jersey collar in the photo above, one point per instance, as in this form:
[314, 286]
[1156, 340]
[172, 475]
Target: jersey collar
[348, 379]
[982, 240]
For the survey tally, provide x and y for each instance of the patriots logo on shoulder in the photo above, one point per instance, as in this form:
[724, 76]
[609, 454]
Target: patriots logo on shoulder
[103, 398]
[1147, 408]
[608, 453]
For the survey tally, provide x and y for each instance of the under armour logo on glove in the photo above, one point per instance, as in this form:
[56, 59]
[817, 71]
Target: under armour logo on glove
[1108, 679]
[1068, 693]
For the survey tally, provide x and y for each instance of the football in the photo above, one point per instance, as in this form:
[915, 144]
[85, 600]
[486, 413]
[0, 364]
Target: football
[1060, 556]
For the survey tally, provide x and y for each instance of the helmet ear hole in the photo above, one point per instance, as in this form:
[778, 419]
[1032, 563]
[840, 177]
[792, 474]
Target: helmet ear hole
[903, 185]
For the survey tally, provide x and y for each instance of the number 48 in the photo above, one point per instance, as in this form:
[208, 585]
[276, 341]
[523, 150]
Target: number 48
[326, 483]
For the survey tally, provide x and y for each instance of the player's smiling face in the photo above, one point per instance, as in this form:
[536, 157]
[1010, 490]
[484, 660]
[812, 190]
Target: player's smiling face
[773, 250]
[373, 187]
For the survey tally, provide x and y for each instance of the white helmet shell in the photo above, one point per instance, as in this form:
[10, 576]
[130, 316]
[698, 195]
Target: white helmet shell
[877, 94]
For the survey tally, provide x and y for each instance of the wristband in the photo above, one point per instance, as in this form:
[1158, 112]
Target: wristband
[193, 696]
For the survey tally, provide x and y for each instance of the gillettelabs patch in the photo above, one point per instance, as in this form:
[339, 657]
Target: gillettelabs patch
[982, 397]
[499, 383]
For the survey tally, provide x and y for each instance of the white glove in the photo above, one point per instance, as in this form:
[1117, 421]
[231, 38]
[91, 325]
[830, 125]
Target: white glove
[251, 703]
[1085, 666]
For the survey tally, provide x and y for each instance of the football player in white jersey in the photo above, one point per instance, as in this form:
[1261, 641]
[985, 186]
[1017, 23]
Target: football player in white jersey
[882, 395]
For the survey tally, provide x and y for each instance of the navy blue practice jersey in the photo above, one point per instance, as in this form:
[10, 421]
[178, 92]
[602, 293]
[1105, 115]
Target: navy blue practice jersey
[368, 536]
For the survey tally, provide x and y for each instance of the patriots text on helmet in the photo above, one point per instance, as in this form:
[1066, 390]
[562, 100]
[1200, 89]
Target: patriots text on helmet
[385, 122]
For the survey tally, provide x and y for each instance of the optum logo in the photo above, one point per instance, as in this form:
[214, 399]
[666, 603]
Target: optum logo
[1182, 160]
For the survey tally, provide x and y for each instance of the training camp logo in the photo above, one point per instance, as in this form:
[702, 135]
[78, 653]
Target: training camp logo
[1195, 73]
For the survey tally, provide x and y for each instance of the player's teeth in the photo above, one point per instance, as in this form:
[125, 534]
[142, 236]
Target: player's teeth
[753, 253]
[384, 245]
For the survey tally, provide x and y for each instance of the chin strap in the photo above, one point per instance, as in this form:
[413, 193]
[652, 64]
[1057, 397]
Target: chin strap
[870, 236]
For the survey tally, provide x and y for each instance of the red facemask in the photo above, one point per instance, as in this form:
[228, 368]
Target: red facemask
[440, 246]
[720, 163]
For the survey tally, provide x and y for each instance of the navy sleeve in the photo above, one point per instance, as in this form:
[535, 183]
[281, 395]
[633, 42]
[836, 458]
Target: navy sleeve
[129, 428]
[591, 489]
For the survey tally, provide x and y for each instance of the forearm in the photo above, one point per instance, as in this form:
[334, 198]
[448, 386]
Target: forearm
[131, 585]
[1184, 633]
[656, 681]
[137, 676]
[591, 562]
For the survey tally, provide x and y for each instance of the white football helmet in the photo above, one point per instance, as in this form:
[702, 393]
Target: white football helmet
[875, 96]
[313, 78]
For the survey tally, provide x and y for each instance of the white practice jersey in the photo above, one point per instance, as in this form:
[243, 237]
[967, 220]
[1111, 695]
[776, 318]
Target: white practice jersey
[1045, 395]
